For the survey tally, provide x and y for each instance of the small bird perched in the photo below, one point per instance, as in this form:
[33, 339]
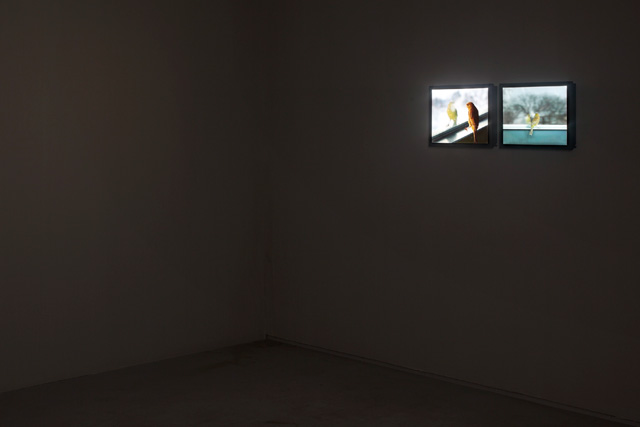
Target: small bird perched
[452, 113]
[534, 122]
[474, 120]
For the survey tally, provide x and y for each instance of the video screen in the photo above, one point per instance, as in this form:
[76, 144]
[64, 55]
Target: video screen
[460, 115]
[535, 115]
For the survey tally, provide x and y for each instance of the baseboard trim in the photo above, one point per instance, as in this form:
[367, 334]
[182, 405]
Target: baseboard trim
[512, 394]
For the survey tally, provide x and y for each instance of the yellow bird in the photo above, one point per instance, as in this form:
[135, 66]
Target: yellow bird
[534, 122]
[452, 113]
[474, 119]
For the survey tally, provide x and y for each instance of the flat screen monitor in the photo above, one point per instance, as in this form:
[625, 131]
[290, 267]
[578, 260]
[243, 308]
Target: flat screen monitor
[537, 115]
[461, 115]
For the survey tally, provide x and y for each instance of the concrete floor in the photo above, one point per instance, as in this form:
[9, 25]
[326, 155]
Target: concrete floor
[269, 384]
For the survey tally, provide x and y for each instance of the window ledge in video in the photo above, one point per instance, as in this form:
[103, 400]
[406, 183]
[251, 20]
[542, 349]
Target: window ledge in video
[458, 134]
[541, 135]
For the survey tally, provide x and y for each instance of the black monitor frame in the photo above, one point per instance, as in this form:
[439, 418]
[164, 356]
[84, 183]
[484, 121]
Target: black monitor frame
[491, 115]
[571, 116]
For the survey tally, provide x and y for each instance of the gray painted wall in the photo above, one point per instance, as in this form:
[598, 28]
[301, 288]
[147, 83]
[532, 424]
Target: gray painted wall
[130, 183]
[514, 269]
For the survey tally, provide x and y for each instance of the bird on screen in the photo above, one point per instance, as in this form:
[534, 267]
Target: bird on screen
[474, 120]
[452, 113]
[534, 122]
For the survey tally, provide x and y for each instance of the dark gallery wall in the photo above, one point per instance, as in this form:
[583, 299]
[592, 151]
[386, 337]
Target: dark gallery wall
[514, 269]
[130, 163]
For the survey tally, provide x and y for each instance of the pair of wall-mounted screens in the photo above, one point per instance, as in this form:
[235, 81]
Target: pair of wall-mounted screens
[530, 115]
